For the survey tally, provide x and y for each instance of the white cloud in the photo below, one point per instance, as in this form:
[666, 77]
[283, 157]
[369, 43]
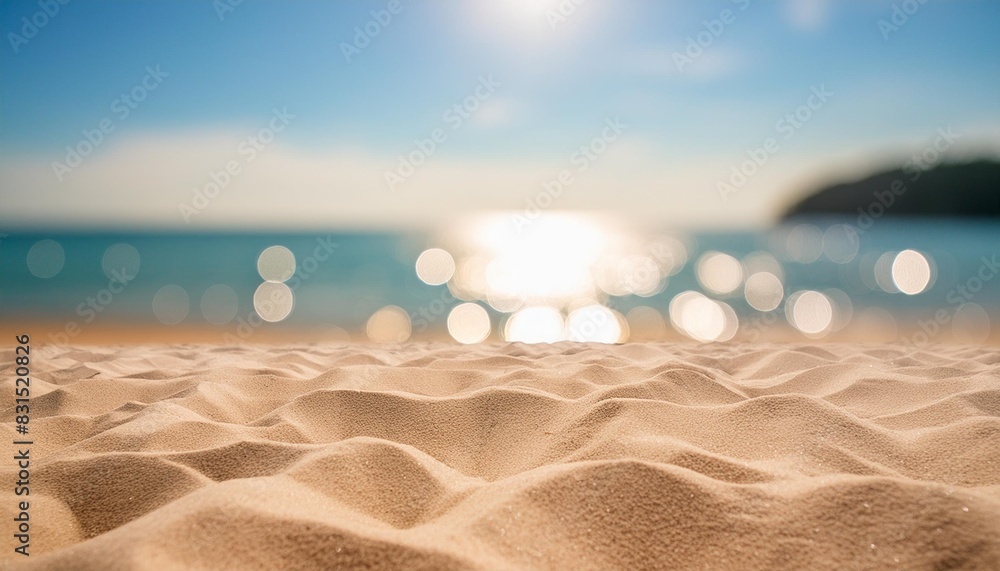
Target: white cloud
[141, 182]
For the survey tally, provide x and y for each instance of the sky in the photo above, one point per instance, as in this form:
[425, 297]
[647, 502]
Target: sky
[389, 114]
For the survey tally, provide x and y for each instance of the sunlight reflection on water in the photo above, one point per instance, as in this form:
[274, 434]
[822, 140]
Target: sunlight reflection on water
[561, 276]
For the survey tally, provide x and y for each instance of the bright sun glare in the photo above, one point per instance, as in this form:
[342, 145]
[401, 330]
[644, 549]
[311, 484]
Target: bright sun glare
[553, 273]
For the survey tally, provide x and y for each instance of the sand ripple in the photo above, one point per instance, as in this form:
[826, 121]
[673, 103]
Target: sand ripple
[512, 457]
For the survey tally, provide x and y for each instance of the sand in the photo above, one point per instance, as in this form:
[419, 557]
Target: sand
[434, 456]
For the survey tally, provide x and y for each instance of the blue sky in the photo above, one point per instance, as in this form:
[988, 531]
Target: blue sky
[558, 84]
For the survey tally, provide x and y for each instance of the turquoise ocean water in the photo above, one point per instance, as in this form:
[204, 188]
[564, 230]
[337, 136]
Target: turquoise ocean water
[341, 279]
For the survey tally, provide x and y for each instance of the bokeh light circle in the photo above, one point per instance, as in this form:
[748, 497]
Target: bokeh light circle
[171, 304]
[538, 324]
[841, 243]
[719, 273]
[670, 253]
[276, 264]
[46, 259]
[469, 323]
[391, 324]
[911, 272]
[759, 261]
[810, 312]
[764, 291]
[732, 325]
[883, 272]
[435, 266]
[639, 275]
[219, 304]
[121, 262]
[593, 323]
[701, 318]
[804, 243]
[273, 301]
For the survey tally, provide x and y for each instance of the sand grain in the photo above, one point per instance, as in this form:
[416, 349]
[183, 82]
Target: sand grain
[644, 456]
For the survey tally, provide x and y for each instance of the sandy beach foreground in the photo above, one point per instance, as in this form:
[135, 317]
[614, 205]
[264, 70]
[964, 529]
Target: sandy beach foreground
[433, 456]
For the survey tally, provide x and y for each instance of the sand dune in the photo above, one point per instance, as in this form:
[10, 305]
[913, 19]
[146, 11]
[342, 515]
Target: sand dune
[511, 457]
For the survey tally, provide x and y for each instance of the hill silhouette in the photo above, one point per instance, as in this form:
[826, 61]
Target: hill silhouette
[949, 190]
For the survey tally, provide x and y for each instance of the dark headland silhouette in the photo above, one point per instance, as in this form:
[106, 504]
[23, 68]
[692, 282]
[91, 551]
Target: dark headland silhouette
[949, 190]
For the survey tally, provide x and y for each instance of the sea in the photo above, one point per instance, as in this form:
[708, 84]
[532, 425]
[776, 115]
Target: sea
[339, 280]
